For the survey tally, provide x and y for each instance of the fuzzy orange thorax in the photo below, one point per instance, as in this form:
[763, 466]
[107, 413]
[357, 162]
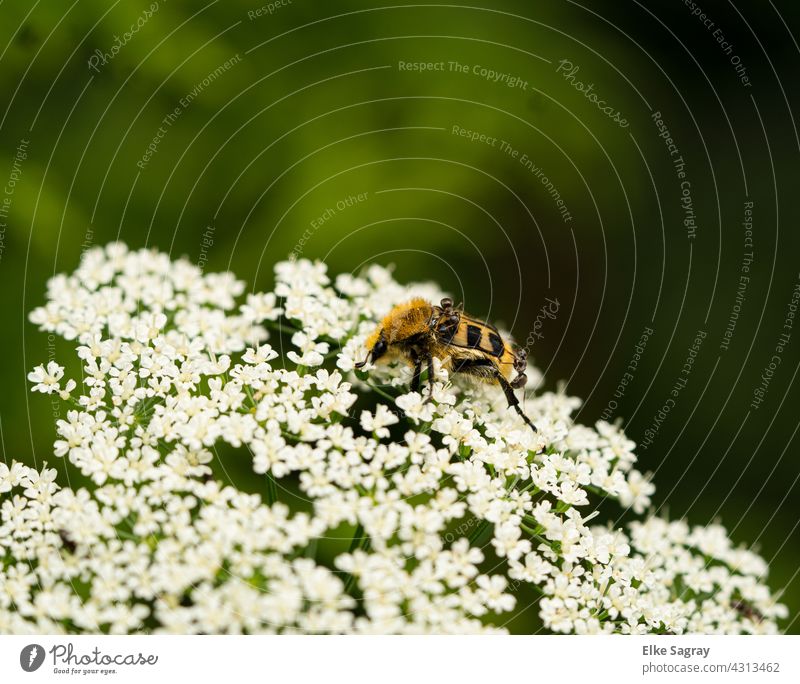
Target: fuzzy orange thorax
[402, 321]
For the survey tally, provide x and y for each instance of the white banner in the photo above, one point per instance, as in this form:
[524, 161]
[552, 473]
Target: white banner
[411, 660]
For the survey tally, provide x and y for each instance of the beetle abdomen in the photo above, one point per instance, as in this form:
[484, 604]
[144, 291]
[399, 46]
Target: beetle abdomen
[474, 334]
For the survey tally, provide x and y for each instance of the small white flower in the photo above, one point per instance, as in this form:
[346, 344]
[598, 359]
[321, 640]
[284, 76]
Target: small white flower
[379, 421]
[636, 492]
[491, 591]
[67, 391]
[47, 381]
[264, 354]
[313, 352]
[416, 407]
[11, 477]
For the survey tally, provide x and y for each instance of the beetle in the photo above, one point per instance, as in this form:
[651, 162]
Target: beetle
[418, 331]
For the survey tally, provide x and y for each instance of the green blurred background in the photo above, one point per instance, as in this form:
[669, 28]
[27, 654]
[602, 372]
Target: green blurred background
[262, 120]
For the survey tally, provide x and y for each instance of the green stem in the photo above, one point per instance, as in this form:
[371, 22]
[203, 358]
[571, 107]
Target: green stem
[311, 550]
[280, 327]
[272, 489]
[478, 532]
[385, 395]
[360, 541]
[358, 538]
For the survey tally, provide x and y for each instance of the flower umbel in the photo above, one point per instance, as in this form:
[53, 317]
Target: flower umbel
[451, 503]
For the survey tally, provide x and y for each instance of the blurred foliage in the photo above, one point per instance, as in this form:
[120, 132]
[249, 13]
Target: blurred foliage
[316, 109]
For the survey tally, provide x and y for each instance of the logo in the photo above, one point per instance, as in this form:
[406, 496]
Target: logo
[31, 657]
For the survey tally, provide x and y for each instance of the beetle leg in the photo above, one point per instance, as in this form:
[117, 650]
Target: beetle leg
[430, 377]
[520, 360]
[417, 372]
[486, 368]
[520, 381]
[513, 402]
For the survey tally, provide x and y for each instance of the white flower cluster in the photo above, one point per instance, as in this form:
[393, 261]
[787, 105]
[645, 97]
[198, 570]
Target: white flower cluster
[376, 511]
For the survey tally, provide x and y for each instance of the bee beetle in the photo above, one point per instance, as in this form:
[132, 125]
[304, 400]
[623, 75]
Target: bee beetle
[417, 331]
